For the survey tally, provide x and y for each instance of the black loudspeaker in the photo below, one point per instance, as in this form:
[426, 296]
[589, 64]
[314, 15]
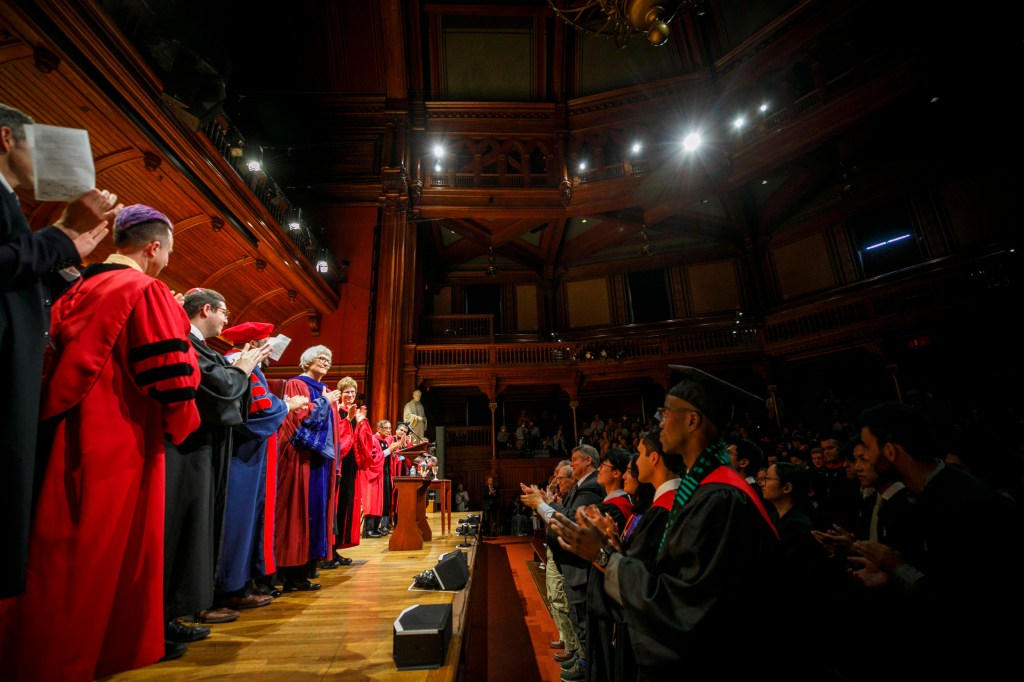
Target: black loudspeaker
[452, 571]
[421, 636]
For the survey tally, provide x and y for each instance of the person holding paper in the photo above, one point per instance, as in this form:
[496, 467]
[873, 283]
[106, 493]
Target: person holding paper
[30, 279]
[248, 551]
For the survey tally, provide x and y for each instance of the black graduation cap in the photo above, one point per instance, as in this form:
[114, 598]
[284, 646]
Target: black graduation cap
[716, 399]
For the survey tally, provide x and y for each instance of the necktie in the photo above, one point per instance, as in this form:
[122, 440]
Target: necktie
[873, 528]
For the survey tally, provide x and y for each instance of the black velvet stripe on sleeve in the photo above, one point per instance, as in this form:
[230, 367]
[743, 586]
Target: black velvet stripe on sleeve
[158, 348]
[174, 395]
[151, 376]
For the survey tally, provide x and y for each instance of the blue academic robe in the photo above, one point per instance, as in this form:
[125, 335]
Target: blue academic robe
[243, 551]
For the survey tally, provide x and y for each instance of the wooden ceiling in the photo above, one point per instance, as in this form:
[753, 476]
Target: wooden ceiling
[857, 99]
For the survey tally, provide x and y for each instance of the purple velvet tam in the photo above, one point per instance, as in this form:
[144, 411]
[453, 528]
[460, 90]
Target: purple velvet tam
[138, 213]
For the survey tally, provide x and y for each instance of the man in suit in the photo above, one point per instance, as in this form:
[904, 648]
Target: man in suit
[35, 268]
[575, 569]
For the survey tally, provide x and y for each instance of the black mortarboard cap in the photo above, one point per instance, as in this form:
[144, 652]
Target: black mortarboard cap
[716, 399]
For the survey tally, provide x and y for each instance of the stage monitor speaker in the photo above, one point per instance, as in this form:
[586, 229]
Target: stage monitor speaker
[421, 636]
[452, 571]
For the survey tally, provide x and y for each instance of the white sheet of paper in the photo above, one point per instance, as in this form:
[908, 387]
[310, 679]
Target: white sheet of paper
[278, 343]
[62, 159]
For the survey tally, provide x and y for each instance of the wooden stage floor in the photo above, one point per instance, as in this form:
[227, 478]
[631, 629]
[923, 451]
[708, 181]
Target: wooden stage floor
[341, 632]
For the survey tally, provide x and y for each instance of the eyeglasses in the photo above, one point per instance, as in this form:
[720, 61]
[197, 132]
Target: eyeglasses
[226, 312]
[603, 465]
[322, 360]
[769, 478]
[659, 413]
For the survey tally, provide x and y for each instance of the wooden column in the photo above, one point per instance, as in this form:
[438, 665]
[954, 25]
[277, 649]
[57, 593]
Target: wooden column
[394, 277]
[494, 443]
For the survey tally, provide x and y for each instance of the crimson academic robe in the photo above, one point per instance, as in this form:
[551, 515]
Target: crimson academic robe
[197, 481]
[370, 459]
[28, 283]
[299, 514]
[243, 552]
[121, 376]
[715, 568]
[355, 444]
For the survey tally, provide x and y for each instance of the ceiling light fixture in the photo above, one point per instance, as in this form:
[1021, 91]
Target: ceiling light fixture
[620, 20]
[492, 268]
[645, 243]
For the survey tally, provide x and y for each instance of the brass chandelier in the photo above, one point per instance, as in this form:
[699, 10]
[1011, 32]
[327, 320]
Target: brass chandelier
[622, 19]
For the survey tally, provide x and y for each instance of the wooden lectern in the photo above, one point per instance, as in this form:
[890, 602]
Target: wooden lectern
[412, 528]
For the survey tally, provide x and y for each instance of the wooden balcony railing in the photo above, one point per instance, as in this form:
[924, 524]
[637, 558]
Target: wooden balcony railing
[457, 329]
[944, 293]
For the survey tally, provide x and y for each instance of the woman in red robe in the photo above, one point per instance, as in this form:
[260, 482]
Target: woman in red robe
[305, 478]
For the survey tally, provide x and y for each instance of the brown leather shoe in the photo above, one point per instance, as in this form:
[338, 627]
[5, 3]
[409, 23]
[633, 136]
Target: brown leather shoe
[221, 615]
[253, 601]
[565, 656]
[557, 644]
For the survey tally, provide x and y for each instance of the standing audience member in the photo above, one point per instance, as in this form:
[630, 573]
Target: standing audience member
[574, 569]
[248, 553]
[746, 457]
[805, 579]
[718, 553]
[558, 490]
[614, 509]
[651, 481]
[966, 581]
[35, 268]
[461, 498]
[197, 472]
[120, 376]
[489, 506]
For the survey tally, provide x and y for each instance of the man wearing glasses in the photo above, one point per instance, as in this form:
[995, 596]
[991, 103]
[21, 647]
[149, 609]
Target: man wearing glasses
[197, 472]
[716, 561]
[575, 569]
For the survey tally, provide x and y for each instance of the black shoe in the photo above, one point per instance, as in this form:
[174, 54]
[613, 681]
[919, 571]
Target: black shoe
[345, 561]
[335, 563]
[176, 632]
[173, 650]
[268, 590]
[303, 586]
[372, 534]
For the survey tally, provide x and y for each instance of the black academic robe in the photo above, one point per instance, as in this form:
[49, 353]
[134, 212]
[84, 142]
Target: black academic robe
[610, 653]
[716, 568]
[197, 475]
[971, 564]
[29, 282]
